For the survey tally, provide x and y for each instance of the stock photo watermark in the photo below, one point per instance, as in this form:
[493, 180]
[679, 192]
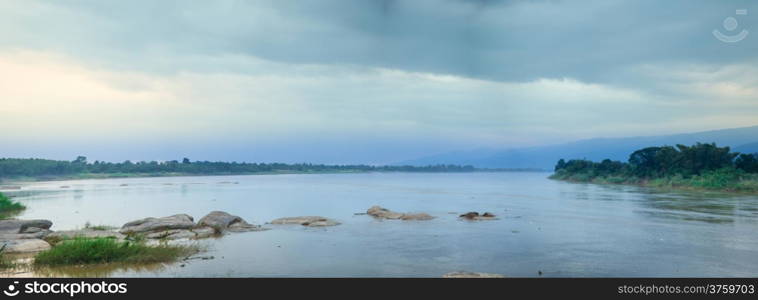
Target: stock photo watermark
[66, 288]
[731, 25]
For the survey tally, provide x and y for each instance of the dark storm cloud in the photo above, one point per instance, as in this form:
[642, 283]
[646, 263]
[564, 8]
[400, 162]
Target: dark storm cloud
[593, 41]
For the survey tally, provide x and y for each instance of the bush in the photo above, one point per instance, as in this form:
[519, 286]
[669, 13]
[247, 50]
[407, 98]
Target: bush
[105, 250]
[8, 206]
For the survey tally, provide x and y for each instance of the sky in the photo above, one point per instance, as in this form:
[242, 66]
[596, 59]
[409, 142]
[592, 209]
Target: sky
[364, 81]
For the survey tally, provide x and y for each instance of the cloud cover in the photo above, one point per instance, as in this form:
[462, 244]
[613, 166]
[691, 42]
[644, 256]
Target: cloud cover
[362, 81]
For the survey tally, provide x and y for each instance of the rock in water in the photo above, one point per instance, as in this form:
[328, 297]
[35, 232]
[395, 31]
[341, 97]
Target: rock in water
[417, 217]
[204, 232]
[173, 234]
[310, 221]
[464, 274]
[383, 213]
[475, 216]
[470, 215]
[180, 221]
[223, 221]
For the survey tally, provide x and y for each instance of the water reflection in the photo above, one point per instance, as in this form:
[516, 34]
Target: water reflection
[98, 270]
[24, 268]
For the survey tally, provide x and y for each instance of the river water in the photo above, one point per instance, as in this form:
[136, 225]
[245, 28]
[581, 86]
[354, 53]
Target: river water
[560, 229]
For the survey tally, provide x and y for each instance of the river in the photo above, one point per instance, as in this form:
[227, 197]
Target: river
[557, 228]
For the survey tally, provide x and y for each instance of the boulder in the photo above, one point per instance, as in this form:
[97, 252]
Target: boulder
[464, 274]
[173, 234]
[24, 245]
[383, 213]
[416, 217]
[86, 233]
[176, 234]
[180, 221]
[204, 232]
[475, 216]
[14, 226]
[223, 221]
[310, 221]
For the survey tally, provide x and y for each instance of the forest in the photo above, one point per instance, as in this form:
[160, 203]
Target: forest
[703, 165]
[81, 168]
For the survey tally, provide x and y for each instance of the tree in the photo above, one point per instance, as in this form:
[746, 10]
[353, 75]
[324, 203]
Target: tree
[747, 162]
[644, 161]
[560, 165]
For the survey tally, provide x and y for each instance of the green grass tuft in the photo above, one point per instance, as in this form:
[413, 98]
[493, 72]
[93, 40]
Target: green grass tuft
[79, 251]
[8, 206]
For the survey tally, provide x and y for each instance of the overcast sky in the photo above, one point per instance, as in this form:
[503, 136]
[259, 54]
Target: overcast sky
[363, 81]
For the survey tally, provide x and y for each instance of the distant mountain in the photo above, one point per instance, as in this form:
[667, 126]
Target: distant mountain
[740, 139]
[747, 148]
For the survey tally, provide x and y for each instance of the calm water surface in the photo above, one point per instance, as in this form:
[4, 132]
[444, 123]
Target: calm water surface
[562, 229]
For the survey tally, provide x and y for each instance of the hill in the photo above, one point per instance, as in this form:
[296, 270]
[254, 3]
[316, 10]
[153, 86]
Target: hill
[743, 139]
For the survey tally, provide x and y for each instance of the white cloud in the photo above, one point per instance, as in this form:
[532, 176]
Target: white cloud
[48, 95]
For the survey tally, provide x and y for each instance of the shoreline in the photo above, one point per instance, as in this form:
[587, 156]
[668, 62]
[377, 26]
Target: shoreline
[91, 176]
[670, 188]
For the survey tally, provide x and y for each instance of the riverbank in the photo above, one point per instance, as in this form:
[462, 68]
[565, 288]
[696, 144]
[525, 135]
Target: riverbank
[15, 180]
[9, 181]
[718, 181]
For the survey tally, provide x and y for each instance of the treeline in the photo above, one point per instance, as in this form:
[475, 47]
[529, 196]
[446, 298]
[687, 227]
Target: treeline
[700, 165]
[14, 167]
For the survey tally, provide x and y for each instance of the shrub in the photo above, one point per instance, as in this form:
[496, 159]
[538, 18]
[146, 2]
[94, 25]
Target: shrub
[8, 206]
[105, 250]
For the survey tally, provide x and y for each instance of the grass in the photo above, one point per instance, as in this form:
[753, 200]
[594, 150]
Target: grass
[8, 206]
[79, 251]
[5, 263]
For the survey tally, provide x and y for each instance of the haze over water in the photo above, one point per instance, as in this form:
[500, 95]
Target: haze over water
[558, 228]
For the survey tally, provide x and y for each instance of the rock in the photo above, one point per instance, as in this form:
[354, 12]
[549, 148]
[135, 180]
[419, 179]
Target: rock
[24, 245]
[310, 221]
[383, 213]
[243, 226]
[32, 230]
[218, 219]
[464, 274]
[416, 217]
[176, 234]
[180, 221]
[86, 233]
[23, 226]
[10, 187]
[475, 216]
[221, 221]
[470, 215]
[173, 234]
[204, 232]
